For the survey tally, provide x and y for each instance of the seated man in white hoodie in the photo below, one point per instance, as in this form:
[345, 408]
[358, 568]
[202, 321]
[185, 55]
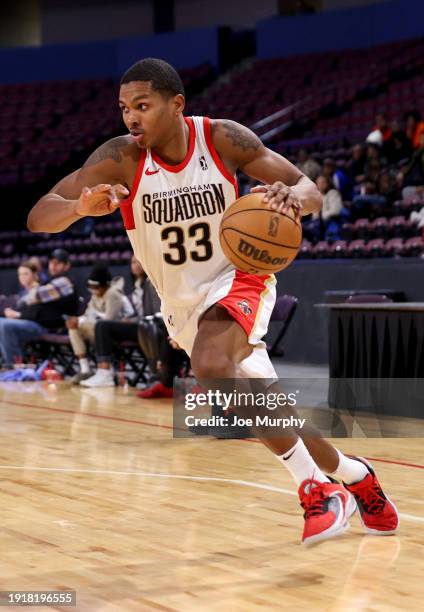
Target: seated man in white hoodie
[107, 302]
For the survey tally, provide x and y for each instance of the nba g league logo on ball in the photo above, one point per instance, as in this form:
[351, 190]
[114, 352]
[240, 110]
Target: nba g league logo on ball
[273, 226]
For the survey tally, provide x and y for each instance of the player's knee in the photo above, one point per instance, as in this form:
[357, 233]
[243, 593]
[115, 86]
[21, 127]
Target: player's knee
[208, 365]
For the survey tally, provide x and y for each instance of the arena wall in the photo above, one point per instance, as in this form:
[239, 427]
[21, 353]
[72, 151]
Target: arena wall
[348, 29]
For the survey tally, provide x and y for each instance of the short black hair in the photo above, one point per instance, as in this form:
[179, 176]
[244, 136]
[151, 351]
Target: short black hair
[163, 76]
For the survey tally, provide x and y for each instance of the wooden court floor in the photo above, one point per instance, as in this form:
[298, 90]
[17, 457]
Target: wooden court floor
[96, 496]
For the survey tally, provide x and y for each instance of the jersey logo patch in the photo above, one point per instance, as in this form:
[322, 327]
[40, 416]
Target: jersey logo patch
[244, 307]
[149, 172]
[203, 162]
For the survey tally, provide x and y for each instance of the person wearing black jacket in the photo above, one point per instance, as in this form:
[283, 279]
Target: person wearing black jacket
[108, 333]
[146, 328]
[41, 310]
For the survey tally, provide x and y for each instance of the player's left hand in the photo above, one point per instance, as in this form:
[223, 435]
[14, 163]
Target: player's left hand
[281, 198]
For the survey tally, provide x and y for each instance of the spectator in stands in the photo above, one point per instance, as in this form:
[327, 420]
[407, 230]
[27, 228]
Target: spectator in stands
[398, 148]
[107, 303]
[36, 262]
[138, 277]
[373, 171]
[356, 165]
[373, 153]
[338, 178]
[412, 175]
[169, 358]
[28, 279]
[368, 203]
[332, 205]
[414, 127]
[327, 221]
[307, 165]
[382, 125]
[387, 187]
[107, 333]
[374, 163]
[42, 309]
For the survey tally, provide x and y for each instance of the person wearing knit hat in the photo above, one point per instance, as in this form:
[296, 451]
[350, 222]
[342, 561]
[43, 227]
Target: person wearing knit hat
[107, 302]
[100, 277]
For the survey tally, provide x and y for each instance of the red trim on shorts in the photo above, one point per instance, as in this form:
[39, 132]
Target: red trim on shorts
[243, 300]
[126, 206]
[191, 142]
[218, 161]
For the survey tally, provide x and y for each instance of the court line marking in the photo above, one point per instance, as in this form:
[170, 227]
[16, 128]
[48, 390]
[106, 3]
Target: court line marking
[163, 426]
[243, 483]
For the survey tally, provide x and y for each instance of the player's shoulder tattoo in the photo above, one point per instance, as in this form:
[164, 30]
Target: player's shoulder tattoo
[112, 149]
[239, 135]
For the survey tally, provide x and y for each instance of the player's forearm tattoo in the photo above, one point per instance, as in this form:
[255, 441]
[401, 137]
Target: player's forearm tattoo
[240, 136]
[112, 149]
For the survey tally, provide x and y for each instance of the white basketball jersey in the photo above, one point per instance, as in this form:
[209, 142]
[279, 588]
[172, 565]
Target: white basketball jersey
[172, 217]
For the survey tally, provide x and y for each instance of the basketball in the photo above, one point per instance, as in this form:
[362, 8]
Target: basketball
[258, 240]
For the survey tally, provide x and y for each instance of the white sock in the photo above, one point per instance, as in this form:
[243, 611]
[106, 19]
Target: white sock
[300, 464]
[85, 368]
[349, 470]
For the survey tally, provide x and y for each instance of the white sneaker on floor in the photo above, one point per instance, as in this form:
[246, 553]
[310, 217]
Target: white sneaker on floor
[102, 378]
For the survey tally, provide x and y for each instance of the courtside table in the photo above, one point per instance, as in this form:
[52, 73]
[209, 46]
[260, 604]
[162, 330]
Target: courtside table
[376, 357]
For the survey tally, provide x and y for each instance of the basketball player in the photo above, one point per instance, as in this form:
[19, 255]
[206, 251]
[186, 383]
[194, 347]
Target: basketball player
[172, 178]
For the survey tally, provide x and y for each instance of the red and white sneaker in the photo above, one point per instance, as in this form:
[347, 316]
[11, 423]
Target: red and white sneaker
[328, 507]
[378, 513]
[157, 390]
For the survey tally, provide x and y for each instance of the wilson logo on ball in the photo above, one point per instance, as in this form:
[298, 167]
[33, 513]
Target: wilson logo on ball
[245, 248]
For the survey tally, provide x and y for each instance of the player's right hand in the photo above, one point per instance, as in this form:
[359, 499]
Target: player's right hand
[100, 200]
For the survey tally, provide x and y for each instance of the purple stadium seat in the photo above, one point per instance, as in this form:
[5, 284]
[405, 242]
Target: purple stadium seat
[305, 251]
[394, 247]
[361, 229]
[380, 227]
[321, 250]
[338, 249]
[398, 227]
[413, 247]
[356, 249]
[375, 248]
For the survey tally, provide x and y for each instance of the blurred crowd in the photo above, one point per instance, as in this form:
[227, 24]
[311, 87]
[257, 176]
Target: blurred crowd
[387, 167]
[95, 327]
[365, 183]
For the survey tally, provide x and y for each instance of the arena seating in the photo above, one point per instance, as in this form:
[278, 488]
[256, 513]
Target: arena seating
[44, 124]
[331, 98]
[340, 91]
